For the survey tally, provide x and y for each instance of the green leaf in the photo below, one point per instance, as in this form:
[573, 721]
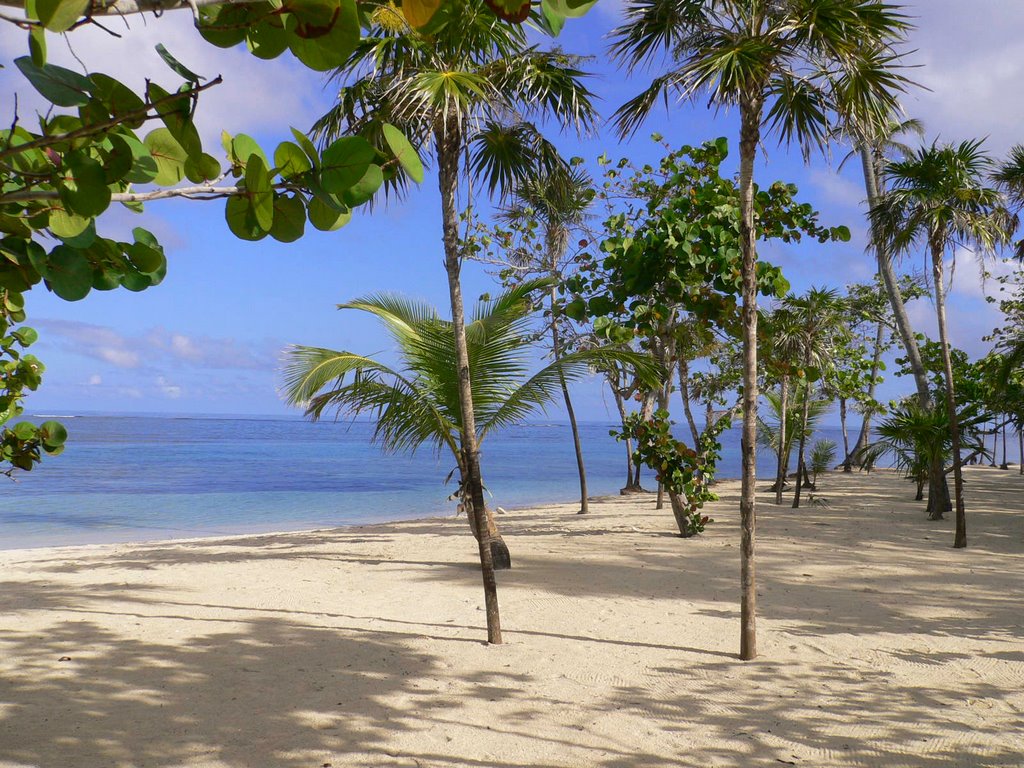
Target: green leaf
[404, 152]
[242, 219]
[203, 168]
[325, 218]
[118, 99]
[169, 156]
[259, 191]
[24, 430]
[289, 219]
[225, 25]
[84, 191]
[60, 15]
[27, 336]
[307, 146]
[66, 225]
[37, 45]
[118, 158]
[267, 40]
[53, 434]
[290, 160]
[326, 34]
[144, 165]
[364, 189]
[177, 117]
[57, 85]
[345, 162]
[176, 65]
[83, 239]
[69, 273]
[240, 148]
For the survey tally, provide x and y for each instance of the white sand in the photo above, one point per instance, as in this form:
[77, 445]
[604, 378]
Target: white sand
[880, 645]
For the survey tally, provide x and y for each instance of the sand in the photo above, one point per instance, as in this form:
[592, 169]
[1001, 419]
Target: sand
[880, 645]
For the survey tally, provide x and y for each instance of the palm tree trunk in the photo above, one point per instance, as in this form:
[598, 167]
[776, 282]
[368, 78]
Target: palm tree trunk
[1004, 465]
[801, 467]
[780, 472]
[960, 539]
[1020, 448]
[663, 398]
[865, 427]
[556, 353]
[750, 134]
[620, 405]
[870, 162]
[448, 142]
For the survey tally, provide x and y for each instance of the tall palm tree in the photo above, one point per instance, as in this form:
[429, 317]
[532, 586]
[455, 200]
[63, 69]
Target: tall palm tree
[1009, 175]
[938, 197]
[559, 200]
[789, 66]
[417, 402]
[818, 316]
[441, 85]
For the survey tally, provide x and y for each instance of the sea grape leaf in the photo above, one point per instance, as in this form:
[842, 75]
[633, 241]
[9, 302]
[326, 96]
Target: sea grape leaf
[259, 191]
[325, 218]
[60, 15]
[169, 157]
[84, 191]
[404, 151]
[289, 219]
[57, 85]
[69, 274]
[345, 162]
[176, 65]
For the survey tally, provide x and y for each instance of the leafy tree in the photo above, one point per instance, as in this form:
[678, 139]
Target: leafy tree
[464, 68]
[417, 402]
[791, 67]
[938, 198]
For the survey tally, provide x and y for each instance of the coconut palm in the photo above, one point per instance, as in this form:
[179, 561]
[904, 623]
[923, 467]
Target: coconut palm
[1009, 175]
[783, 336]
[938, 197]
[444, 86]
[770, 430]
[559, 200]
[789, 66]
[417, 402]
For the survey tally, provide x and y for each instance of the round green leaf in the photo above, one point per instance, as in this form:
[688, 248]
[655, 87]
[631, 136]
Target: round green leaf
[69, 273]
[203, 168]
[242, 220]
[24, 430]
[85, 191]
[144, 166]
[118, 99]
[345, 162]
[289, 219]
[225, 25]
[61, 86]
[105, 279]
[168, 155]
[266, 40]
[240, 147]
[290, 160]
[144, 258]
[27, 336]
[325, 218]
[135, 281]
[66, 225]
[53, 434]
[326, 34]
[364, 189]
[117, 158]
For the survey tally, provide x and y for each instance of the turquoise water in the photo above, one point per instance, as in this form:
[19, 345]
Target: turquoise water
[135, 478]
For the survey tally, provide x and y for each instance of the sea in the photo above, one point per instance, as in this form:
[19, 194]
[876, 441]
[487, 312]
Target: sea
[141, 478]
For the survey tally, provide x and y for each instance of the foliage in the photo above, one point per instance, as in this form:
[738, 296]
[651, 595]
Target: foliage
[685, 471]
[823, 456]
[768, 428]
[677, 243]
[417, 402]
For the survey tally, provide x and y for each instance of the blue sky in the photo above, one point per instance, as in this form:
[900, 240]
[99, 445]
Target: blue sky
[208, 339]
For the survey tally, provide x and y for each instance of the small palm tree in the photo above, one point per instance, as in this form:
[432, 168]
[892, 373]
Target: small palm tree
[938, 197]
[823, 456]
[772, 433]
[417, 403]
[794, 67]
[444, 85]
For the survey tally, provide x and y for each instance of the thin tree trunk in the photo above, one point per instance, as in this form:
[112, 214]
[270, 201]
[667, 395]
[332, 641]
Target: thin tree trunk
[995, 443]
[684, 394]
[556, 353]
[1004, 465]
[801, 466]
[780, 473]
[847, 467]
[1020, 448]
[663, 399]
[865, 427]
[449, 142]
[750, 134]
[960, 539]
[620, 404]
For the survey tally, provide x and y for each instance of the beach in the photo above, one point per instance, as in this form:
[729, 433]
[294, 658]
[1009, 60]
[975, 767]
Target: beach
[880, 645]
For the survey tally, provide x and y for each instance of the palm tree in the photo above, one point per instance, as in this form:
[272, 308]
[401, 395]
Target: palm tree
[782, 331]
[417, 402]
[1009, 175]
[937, 196]
[789, 66]
[559, 200]
[773, 436]
[440, 85]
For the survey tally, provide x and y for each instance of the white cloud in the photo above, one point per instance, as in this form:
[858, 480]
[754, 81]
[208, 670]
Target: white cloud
[168, 390]
[157, 347]
[95, 380]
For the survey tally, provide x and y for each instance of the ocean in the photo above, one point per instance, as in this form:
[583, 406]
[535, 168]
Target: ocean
[140, 478]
